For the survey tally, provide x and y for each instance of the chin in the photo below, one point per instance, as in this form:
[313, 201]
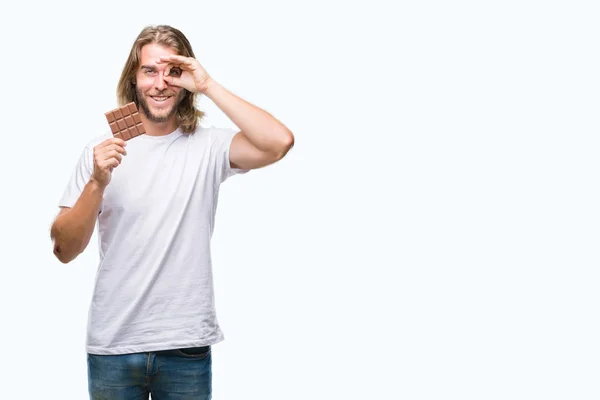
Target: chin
[159, 115]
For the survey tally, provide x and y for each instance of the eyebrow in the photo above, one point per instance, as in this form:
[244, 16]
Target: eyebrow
[148, 66]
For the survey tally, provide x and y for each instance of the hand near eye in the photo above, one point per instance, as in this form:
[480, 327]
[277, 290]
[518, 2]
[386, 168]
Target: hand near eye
[185, 72]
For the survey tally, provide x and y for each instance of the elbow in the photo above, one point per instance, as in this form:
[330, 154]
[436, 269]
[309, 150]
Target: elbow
[287, 142]
[64, 252]
[63, 256]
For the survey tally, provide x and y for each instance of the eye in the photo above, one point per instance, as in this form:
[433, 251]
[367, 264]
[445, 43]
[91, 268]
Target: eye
[175, 71]
[148, 71]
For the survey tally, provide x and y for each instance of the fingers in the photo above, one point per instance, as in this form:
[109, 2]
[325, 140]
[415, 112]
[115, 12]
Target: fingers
[113, 153]
[112, 148]
[107, 156]
[172, 81]
[176, 59]
[108, 164]
[171, 75]
[112, 140]
[176, 65]
[110, 159]
[109, 153]
[172, 72]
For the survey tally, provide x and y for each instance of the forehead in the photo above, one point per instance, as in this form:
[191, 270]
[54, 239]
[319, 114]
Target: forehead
[153, 51]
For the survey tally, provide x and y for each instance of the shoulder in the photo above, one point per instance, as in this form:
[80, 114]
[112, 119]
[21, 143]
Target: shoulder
[213, 135]
[220, 135]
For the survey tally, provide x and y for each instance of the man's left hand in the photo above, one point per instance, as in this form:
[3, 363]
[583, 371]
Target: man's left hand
[185, 72]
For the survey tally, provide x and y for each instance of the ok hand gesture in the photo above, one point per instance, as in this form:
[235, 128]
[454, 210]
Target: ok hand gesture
[185, 72]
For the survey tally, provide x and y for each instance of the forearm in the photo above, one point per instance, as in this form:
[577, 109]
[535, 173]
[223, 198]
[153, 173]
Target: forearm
[71, 232]
[263, 130]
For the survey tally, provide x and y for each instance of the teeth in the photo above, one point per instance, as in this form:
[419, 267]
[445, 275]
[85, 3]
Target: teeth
[159, 98]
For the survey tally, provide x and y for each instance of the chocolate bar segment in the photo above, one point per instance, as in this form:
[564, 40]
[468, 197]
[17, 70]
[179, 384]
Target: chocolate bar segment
[125, 122]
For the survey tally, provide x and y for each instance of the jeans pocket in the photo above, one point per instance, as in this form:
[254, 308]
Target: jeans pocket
[194, 352]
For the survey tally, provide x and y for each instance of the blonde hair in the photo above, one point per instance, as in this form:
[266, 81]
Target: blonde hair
[168, 36]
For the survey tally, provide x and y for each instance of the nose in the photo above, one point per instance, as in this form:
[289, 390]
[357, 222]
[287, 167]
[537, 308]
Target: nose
[159, 82]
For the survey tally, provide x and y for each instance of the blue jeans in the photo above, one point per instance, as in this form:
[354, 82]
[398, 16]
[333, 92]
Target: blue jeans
[167, 375]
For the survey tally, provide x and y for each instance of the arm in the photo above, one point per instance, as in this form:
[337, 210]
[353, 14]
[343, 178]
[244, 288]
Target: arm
[262, 139]
[73, 227]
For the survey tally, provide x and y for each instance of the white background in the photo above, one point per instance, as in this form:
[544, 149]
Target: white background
[432, 235]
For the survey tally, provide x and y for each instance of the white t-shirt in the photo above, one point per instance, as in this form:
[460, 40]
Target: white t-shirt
[154, 285]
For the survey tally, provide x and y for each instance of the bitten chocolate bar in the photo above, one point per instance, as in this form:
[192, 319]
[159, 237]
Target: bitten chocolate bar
[125, 122]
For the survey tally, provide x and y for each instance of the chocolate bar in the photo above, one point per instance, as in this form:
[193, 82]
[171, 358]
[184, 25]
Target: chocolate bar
[125, 122]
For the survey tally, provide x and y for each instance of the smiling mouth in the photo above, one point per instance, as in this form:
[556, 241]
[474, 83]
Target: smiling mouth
[160, 99]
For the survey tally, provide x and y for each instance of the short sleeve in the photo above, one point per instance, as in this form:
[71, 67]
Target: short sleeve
[79, 178]
[221, 145]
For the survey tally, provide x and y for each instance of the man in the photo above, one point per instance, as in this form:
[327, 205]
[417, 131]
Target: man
[152, 319]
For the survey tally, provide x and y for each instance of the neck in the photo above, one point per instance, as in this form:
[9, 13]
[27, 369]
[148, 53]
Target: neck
[159, 128]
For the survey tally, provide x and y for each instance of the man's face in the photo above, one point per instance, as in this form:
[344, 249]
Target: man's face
[157, 99]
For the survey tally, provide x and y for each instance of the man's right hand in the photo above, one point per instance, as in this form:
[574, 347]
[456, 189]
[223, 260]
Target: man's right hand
[107, 156]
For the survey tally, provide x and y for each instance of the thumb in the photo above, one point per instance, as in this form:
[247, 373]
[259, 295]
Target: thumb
[171, 80]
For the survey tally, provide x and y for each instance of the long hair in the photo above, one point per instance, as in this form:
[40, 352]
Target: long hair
[168, 36]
